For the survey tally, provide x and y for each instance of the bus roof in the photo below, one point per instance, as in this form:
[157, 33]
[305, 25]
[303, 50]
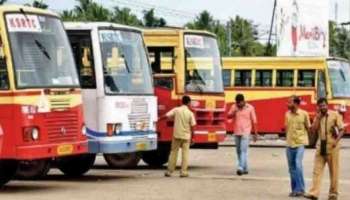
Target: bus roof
[17, 8]
[174, 31]
[280, 59]
[92, 25]
[276, 62]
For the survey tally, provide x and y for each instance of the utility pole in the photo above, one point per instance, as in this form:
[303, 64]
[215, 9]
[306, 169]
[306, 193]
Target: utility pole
[229, 37]
[268, 47]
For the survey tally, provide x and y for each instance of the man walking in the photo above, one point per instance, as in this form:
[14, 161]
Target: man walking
[245, 121]
[329, 127]
[297, 124]
[183, 129]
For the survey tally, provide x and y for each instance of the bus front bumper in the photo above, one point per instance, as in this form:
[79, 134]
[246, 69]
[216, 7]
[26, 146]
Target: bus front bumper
[42, 151]
[126, 142]
[204, 136]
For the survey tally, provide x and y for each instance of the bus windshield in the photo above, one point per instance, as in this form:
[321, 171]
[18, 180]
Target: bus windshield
[339, 72]
[125, 65]
[41, 53]
[203, 64]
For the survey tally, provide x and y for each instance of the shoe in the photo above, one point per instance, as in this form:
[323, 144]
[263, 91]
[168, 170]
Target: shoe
[333, 197]
[239, 173]
[309, 196]
[292, 194]
[167, 174]
[245, 172]
[184, 175]
[299, 194]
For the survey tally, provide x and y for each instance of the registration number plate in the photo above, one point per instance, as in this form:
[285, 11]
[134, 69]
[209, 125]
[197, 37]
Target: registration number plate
[141, 146]
[65, 149]
[212, 137]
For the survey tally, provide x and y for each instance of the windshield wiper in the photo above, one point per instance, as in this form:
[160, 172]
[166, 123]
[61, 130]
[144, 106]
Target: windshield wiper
[126, 64]
[42, 49]
[38, 44]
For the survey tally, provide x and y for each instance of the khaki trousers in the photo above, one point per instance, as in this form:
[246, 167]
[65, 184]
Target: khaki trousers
[176, 144]
[332, 160]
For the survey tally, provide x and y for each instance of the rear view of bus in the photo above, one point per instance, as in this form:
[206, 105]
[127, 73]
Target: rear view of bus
[187, 62]
[119, 103]
[40, 101]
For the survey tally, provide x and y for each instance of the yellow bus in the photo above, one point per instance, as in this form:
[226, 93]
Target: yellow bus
[268, 82]
[186, 62]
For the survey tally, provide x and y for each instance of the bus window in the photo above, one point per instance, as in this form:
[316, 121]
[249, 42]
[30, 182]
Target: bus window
[243, 78]
[321, 85]
[4, 83]
[164, 82]
[82, 48]
[263, 78]
[285, 78]
[162, 59]
[306, 78]
[226, 77]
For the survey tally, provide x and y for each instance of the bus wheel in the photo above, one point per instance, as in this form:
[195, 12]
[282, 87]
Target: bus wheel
[156, 158]
[75, 166]
[122, 160]
[8, 169]
[34, 169]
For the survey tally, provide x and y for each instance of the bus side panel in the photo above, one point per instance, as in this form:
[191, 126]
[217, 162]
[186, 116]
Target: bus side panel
[271, 111]
[90, 108]
[7, 136]
[165, 104]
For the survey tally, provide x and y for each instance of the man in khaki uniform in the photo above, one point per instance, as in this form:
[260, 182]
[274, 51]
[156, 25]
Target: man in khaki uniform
[297, 124]
[329, 127]
[183, 123]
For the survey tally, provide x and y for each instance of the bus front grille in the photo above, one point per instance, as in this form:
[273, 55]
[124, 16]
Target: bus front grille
[60, 104]
[62, 126]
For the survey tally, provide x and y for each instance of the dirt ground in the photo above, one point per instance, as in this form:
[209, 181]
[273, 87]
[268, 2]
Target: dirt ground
[212, 176]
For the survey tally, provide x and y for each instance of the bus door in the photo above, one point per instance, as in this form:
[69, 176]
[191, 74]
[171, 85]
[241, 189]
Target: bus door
[81, 43]
[163, 62]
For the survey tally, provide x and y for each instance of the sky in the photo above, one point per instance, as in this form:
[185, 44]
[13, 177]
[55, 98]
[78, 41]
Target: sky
[178, 12]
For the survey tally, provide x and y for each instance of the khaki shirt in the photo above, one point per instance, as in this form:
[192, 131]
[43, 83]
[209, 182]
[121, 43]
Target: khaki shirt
[183, 121]
[296, 127]
[333, 119]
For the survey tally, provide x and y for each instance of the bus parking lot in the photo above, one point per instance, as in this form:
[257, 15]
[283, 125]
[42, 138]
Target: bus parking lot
[212, 176]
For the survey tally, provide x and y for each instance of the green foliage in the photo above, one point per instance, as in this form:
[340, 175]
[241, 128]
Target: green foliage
[2, 2]
[124, 16]
[150, 20]
[339, 41]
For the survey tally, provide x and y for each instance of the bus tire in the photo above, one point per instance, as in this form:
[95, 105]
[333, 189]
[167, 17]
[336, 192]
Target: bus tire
[8, 169]
[156, 158]
[32, 170]
[75, 166]
[122, 160]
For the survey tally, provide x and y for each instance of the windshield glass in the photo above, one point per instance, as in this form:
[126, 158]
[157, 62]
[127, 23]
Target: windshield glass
[41, 53]
[125, 65]
[339, 72]
[203, 65]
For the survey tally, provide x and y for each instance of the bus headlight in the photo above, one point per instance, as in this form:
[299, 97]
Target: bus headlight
[31, 134]
[118, 128]
[83, 130]
[35, 134]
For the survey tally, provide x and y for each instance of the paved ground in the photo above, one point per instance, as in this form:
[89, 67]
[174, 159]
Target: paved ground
[212, 177]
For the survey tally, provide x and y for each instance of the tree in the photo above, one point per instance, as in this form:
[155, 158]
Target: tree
[245, 38]
[2, 2]
[124, 16]
[87, 10]
[339, 41]
[150, 20]
[39, 4]
[205, 21]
